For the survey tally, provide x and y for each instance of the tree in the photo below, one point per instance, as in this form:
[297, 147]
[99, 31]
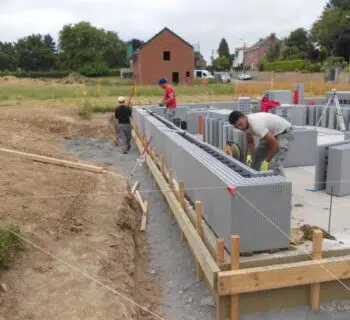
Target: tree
[331, 30]
[221, 64]
[7, 56]
[224, 51]
[199, 61]
[82, 45]
[274, 51]
[339, 4]
[299, 39]
[32, 53]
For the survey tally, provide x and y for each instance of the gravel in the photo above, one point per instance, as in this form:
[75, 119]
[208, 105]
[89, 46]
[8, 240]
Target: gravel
[171, 261]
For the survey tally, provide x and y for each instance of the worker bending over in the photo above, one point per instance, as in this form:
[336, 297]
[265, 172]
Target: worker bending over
[169, 99]
[123, 114]
[274, 134]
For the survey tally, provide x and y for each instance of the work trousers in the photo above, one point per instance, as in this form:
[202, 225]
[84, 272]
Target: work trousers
[276, 164]
[169, 114]
[125, 136]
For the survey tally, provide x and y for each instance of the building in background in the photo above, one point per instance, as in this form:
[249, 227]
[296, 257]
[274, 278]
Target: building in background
[164, 55]
[256, 53]
[239, 57]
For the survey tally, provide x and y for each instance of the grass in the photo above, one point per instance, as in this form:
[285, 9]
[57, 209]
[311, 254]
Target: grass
[10, 245]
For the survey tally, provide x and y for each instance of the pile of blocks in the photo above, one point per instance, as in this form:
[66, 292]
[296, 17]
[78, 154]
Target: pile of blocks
[208, 172]
[332, 170]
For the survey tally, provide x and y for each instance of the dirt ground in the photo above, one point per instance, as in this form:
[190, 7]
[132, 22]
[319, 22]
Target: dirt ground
[84, 223]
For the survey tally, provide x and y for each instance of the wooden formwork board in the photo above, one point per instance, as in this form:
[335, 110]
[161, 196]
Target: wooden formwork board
[203, 256]
[60, 162]
[262, 284]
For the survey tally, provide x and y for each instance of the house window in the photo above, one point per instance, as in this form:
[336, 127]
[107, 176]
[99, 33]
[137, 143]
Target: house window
[188, 74]
[166, 55]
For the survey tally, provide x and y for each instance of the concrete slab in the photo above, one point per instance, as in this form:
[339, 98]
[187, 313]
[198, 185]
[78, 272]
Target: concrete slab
[315, 205]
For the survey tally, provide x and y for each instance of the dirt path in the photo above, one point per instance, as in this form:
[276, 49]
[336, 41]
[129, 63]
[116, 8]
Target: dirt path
[84, 219]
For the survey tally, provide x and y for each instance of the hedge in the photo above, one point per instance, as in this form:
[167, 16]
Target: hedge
[57, 73]
[283, 66]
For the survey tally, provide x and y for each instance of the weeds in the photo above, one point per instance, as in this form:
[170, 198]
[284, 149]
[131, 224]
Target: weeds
[10, 245]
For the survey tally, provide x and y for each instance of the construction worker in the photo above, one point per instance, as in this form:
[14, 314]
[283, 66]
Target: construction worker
[169, 99]
[123, 114]
[274, 134]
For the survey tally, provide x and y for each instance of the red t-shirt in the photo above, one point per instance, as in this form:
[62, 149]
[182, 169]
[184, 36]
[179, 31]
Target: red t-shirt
[168, 91]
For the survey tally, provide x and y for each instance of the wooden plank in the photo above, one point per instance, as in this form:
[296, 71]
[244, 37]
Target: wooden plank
[281, 276]
[144, 217]
[220, 251]
[134, 187]
[316, 255]
[199, 211]
[235, 255]
[59, 162]
[140, 201]
[182, 202]
[196, 244]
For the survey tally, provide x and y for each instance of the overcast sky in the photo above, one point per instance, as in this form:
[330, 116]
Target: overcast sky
[197, 21]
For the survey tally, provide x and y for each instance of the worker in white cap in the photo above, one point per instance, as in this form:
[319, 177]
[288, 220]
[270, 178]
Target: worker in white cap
[123, 114]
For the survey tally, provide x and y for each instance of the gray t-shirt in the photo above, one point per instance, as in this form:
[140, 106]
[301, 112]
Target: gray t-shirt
[263, 122]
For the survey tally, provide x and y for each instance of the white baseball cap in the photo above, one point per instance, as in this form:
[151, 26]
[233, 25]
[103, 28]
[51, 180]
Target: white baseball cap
[121, 99]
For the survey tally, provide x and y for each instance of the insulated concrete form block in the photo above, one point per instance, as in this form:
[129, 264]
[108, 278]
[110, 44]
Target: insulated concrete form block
[347, 135]
[219, 114]
[192, 118]
[311, 115]
[332, 121]
[338, 173]
[207, 172]
[314, 101]
[303, 149]
[283, 96]
[244, 105]
[325, 116]
[322, 163]
[300, 88]
[296, 115]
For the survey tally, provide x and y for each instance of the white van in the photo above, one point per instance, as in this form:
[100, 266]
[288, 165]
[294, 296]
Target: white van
[204, 74]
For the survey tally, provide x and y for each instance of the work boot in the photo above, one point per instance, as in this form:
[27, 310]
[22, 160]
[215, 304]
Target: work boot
[129, 147]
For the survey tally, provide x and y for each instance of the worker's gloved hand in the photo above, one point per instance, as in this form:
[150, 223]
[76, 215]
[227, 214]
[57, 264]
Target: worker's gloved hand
[161, 104]
[265, 166]
[249, 160]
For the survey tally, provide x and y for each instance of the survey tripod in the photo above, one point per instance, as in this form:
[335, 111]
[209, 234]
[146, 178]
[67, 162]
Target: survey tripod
[333, 99]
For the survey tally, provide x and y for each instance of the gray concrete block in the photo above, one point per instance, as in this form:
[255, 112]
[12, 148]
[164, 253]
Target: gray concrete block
[311, 115]
[207, 171]
[322, 163]
[347, 135]
[295, 114]
[283, 96]
[338, 172]
[303, 149]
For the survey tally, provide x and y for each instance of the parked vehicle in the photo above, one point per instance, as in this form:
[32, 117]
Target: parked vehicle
[222, 77]
[203, 74]
[245, 76]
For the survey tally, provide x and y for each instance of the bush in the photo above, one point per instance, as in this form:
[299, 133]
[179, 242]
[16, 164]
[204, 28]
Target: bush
[284, 66]
[90, 71]
[95, 69]
[10, 244]
[36, 74]
[313, 67]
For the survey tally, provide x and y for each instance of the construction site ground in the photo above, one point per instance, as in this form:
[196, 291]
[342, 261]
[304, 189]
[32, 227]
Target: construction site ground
[91, 229]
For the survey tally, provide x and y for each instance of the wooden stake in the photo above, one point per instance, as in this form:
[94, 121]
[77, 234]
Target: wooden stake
[199, 230]
[220, 251]
[171, 186]
[140, 201]
[235, 264]
[182, 202]
[133, 189]
[162, 170]
[144, 217]
[316, 255]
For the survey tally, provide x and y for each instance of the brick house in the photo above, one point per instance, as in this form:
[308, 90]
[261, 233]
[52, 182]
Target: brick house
[165, 55]
[256, 53]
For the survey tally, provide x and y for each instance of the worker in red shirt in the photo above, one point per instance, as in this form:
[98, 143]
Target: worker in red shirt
[169, 99]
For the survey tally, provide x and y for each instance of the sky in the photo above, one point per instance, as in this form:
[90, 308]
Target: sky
[200, 22]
